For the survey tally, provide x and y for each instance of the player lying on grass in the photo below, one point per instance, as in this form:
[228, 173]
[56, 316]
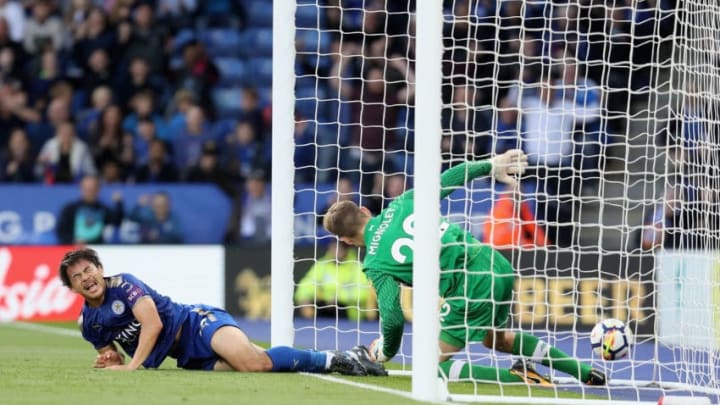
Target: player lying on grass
[149, 327]
[475, 280]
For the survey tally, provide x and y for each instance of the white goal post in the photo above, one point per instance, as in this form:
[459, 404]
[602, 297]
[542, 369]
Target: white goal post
[616, 103]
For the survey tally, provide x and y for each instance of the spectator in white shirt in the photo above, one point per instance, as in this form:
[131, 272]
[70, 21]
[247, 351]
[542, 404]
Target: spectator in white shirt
[13, 13]
[64, 158]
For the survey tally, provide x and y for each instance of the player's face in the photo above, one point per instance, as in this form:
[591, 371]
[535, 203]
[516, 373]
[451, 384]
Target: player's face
[87, 280]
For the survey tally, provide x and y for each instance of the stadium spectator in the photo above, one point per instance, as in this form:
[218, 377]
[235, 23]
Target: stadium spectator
[663, 226]
[506, 130]
[373, 122]
[335, 286]
[387, 188]
[111, 172]
[251, 112]
[209, 170]
[99, 71]
[315, 152]
[136, 81]
[41, 127]
[200, 337]
[12, 12]
[606, 49]
[189, 140]
[158, 223]
[16, 162]
[87, 119]
[198, 74]
[581, 96]
[255, 221]
[143, 108]
[45, 71]
[14, 110]
[467, 124]
[547, 138]
[74, 13]
[13, 59]
[220, 13]
[91, 33]
[176, 110]
[512, 224]
[43, 30]
[244, 152]
[64, 158]
[159, 167]
[84, 221]
[145, 135]
[146, 39]
[119, 15]
[176, 14]
[345, 191]
[112, 143]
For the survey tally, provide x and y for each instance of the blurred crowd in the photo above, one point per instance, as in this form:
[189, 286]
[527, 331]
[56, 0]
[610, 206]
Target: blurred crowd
[163, 91]
[126, 91]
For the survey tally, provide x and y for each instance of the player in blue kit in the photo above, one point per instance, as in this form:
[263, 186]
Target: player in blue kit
[122, 310]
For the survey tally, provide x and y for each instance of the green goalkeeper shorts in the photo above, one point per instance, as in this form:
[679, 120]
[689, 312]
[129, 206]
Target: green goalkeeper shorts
[481, 300]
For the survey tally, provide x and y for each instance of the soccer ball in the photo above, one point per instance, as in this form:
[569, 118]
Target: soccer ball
[611, 339]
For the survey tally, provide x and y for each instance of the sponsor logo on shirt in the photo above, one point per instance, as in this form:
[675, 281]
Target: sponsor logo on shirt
[129, 334]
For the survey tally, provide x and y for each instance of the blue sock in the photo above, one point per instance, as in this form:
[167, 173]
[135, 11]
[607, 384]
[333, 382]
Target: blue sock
[286, 358]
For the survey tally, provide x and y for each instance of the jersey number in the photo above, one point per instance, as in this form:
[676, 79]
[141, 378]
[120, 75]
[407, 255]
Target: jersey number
[409, 228]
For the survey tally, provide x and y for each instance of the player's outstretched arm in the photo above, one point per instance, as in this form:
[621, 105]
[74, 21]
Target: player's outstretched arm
[504, 167]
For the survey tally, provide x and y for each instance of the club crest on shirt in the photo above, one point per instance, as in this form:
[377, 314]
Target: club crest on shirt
[117, 307]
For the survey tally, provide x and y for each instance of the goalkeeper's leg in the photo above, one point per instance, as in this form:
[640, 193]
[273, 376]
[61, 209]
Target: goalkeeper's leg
[462, 370]
[531, 347]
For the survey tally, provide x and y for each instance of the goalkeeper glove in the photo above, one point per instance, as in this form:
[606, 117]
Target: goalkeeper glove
[509, 164]
[376, 352]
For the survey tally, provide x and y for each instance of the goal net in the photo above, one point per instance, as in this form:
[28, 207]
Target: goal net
[617, 216]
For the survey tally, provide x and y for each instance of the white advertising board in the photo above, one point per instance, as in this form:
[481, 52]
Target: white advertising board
[187, 274]
[688, 299]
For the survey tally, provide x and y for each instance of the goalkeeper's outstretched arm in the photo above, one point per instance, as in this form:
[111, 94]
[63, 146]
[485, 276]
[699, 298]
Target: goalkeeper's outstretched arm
[504, 167]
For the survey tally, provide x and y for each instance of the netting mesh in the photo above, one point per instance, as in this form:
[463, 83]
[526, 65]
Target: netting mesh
[615, 104]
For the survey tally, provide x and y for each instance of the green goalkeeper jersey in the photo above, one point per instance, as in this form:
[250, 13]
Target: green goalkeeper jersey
[389, 239]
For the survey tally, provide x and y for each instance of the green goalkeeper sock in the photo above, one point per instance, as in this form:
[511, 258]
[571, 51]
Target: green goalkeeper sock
[460, 369]
[539, 351]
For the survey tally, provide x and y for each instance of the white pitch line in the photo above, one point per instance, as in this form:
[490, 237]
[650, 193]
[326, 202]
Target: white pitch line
[371, 387]
[42, 328]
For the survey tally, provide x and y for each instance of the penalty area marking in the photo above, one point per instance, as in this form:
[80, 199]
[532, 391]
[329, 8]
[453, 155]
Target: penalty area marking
[43, 328]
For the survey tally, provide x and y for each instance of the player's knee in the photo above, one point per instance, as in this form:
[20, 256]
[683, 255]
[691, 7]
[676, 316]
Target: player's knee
[254, 361]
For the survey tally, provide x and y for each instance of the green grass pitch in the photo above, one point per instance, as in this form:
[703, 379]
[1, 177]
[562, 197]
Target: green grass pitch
[42, 367]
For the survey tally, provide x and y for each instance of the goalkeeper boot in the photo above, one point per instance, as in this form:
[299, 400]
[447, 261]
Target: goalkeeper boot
[362, 355]
[343, 363]
[526, 371]
[597, 377]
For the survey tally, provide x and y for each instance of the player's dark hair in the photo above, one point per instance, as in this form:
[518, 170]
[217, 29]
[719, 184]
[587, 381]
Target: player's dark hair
[343, 219]
[74, 256]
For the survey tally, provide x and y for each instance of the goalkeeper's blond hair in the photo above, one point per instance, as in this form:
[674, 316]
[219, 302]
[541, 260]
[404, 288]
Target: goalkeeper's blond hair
[344, 219]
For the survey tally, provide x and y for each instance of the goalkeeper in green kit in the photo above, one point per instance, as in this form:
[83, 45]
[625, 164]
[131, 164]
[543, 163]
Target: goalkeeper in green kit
[476, 282]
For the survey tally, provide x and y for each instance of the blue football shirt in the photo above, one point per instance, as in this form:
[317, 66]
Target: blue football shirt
[113, 321]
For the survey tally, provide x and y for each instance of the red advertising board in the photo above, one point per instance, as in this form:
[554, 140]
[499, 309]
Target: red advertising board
[30, 289]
